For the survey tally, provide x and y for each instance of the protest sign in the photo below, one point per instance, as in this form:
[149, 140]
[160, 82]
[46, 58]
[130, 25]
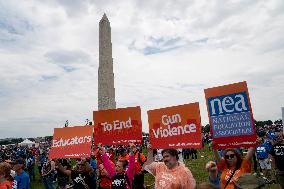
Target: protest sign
[71, 142]
[230, 116]
[175, 127]
[118, 126]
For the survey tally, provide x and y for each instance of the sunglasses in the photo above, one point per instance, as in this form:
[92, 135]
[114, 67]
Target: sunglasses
[230, 156]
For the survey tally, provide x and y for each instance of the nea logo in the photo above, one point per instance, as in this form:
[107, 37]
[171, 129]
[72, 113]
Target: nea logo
[228, 104]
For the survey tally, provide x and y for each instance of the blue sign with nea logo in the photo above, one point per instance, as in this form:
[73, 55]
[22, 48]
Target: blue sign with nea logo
[228, 104]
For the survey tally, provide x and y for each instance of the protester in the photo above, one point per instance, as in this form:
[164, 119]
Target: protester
[23, 158]
[213, 177]
[277, 153]
[121, 178]
[186, 153]
[111, 155]
[21, 180]
[93, 162]
[140, 159]
[48, 173]
[5, 170]
[123, 154]
[262, 153]
[81, 175]
[233, 165]
[169, 174]
[62, 179]
[31, 165]
[104, 181]
[193, 153]
[10, 177]
[102, 175]
[41, 161]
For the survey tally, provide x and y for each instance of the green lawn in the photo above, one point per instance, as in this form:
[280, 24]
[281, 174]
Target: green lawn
[196, 166]
[37, 184]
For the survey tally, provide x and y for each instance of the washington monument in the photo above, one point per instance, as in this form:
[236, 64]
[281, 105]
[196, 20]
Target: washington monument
[106, 90]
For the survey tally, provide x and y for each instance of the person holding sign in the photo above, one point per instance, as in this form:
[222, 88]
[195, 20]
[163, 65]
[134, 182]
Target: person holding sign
[120, 177]
[169, 174]
[81, 175]
[233, 165]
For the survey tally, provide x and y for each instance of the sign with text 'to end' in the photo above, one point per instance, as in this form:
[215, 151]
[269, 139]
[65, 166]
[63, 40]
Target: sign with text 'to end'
[230, 116]
[71, 142]
[118, 126]
[175, 127]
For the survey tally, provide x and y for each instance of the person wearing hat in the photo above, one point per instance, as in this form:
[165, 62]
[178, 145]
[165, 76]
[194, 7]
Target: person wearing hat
[249, 181]
[22, 179]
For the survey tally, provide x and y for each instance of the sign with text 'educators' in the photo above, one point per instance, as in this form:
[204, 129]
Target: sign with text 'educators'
[230, 116]
[71, 142]
[118, 126]
[175, 127]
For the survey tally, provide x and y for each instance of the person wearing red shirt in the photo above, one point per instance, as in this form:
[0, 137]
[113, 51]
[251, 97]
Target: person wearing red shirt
[111, 155]
[140, 159]
[233, 166]
[123, 155]
[5, 170]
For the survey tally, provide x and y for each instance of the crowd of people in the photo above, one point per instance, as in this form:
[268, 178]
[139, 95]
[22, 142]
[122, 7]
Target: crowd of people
[124, 167]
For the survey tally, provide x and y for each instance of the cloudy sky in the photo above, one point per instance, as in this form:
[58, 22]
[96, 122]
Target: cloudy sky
[165, 53]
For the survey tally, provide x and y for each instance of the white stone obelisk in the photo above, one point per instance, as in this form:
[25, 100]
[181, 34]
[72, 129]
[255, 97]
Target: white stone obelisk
[106, 90]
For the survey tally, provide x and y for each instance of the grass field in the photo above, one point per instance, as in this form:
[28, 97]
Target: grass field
[196, 166]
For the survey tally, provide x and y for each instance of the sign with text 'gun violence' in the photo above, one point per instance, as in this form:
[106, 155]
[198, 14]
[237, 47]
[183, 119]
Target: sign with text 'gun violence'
[71, 142]
[175, 127]
[230, 116]
[118, 126]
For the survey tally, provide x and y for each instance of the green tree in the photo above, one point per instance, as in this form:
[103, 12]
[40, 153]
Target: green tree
[206, 128]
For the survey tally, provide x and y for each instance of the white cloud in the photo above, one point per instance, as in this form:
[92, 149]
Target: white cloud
[165, 53]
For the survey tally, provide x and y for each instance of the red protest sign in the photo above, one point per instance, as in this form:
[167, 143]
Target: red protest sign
[71, 142]
[118, 126]
[230, 116]
[175, 127]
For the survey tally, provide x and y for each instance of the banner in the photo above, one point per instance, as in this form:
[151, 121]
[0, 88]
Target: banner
[71, 142]
[118, 126]
[175, 127]
[230, 116]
